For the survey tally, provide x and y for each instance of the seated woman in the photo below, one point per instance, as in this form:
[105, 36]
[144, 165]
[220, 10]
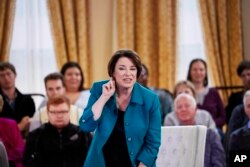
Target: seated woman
[185, 109]
[74, 81]
[12, 139]
[207, 98]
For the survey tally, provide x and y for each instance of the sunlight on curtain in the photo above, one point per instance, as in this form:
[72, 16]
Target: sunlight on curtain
[32, 49]
[190, 38]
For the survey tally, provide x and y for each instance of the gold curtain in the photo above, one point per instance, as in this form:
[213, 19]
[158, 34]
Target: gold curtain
[70, 33]
[223, 40]
[7, 12]
[149, 27]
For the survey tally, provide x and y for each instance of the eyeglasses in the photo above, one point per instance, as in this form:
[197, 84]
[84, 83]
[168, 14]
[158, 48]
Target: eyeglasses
[58, 112]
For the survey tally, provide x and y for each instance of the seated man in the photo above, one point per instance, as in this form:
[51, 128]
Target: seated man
[17, 106]
[238, 119]
[185, 109]
[239, 139]
[58, 142]
[164, 95]
[202, 117]
[243, 71]
[54, 86]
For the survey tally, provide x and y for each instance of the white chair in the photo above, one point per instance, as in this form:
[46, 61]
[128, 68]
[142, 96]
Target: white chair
[182, 146]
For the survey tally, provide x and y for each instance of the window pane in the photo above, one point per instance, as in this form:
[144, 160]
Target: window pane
[32, 48]
[190, 40]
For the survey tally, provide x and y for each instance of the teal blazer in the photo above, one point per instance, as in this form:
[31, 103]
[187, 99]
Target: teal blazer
[142, 125]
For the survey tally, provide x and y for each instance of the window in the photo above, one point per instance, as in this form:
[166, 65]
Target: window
[32, 49]
[190, 38]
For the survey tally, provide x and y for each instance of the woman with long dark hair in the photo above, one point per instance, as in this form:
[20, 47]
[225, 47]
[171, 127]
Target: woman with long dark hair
[207, 98]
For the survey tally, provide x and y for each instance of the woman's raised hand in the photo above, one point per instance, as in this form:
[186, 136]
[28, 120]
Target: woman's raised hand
[108, 89]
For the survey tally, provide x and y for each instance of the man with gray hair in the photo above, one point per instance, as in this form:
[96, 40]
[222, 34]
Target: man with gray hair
[189, 114]
[185, 113]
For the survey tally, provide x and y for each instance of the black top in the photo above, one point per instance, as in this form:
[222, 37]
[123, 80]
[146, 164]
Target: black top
[234, 100]
[115, 150]
[47, 147]
[21, 107]
[239, 140]
[238, 119]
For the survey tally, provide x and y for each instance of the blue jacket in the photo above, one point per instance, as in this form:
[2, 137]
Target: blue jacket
[142, 123]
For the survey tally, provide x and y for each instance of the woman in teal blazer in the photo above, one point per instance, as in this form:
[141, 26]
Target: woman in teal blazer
[124, 115]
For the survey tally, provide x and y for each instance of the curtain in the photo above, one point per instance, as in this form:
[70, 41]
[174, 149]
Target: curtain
[70, 33]
[102, 36]
[149, 27]
[223, 37]
[7, 9]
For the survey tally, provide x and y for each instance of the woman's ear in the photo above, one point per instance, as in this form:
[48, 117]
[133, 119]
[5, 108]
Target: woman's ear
[113, 78]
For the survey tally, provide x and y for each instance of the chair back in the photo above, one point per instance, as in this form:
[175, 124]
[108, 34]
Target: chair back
[182, 146]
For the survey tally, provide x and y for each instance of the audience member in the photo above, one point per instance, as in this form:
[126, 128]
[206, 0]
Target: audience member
[74, 81]
[58, 142]
[185, 109]
[207, 98]
[201, 117]
[239, 139]
[12, 139]
[166, 99]
[124, 115]
[238, 118]
[236, 98]
[54, 86]
[17, 106]
[3, 156]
